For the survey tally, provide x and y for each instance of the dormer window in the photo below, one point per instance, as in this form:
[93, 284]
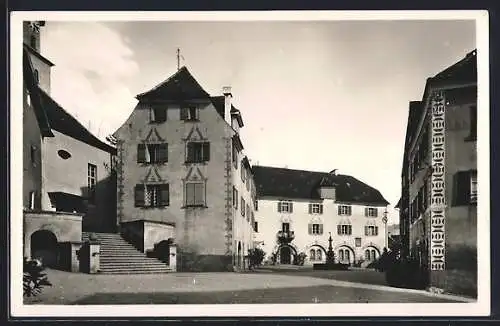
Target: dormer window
[189, 113]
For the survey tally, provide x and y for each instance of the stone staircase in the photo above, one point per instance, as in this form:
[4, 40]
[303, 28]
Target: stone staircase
[117, 256]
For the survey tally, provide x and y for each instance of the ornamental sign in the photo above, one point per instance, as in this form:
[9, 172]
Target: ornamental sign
[438, 182]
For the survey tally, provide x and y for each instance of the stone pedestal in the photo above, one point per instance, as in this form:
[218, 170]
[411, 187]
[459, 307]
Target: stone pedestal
[94, 257]
[173, 257]
[75, 263]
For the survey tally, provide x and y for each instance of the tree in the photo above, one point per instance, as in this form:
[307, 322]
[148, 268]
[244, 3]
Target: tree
[256, 256]
[34, 278]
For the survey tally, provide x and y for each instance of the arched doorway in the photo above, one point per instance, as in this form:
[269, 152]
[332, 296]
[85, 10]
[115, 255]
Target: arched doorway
[345, 255]
[44, 246]
[162, 250]
[285, 255]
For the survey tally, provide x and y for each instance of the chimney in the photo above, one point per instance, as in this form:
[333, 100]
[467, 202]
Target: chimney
[226, 90]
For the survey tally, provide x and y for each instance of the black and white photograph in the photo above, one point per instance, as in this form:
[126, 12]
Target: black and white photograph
[250, 163]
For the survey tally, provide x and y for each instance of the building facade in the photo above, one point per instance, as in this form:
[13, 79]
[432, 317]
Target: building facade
[65, 182]
[438, 212]
[182, 171]
[297, 211]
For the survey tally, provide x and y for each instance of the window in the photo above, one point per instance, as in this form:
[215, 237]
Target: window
[256, 226]
[371, 230]
[152, 195]
[235, 156]
[358, 242]
[158, 114]
[370, 254]
[235, 197]
[319, 254]
[315, 208]
[36, 76]
[195, 194]
[189, 113]
[28, 98]
[312, 254]
[242, 172]
[316, 229]
[248, 212]
[242, 207]
[152, 153]
[371, 212]
[285, 227]
[465, 190]
[91, 181]
[344, 229]
[248, 180]
[32, 200]
[285, 207]
[344, 255]
[33, 154]
[473, 188]
[198, 152]
[473, 123]
[344, 210]
[256, 205]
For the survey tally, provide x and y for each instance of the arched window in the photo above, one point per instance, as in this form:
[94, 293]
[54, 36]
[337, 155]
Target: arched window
[312, 254]
[319, 254]
[341, 254]
[374, 254]
[367, 254]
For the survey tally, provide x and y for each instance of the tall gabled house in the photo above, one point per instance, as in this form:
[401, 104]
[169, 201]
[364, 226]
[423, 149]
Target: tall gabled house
[439, 180]
[183, 180]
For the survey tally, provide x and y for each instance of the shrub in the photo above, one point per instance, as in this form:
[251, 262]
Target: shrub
[34, 279]
[299, 259]
[404, 273]
[256, 256]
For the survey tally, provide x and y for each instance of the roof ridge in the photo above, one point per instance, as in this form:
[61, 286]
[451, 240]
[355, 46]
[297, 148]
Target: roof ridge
[163, 82]
[72, 117]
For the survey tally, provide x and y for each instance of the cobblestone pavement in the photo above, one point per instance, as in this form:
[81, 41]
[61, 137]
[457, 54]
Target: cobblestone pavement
[76, 288]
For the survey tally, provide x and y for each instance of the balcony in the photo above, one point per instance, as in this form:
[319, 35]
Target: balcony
[285, 237]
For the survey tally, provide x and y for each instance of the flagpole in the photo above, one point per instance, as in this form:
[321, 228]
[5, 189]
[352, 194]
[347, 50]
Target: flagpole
[178, 58]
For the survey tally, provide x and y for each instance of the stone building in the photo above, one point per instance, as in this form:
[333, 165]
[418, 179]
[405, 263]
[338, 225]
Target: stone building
[184, 182]
[297, 210]
[67, 171]
[438, 213]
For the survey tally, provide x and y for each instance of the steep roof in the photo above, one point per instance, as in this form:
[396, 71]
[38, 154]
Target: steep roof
[31, 85]
[301, 184]
[180, 86]
[463, 71]
[219, 103]
[65, 123]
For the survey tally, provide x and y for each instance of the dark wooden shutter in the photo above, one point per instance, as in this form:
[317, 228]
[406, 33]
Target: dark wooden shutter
[141, 153]
[366, 230]
[366, 212]
[376, 230]
[279, 207]
[184, 113]
[462, 188]
[139, 195]
[291, 207]
[189, 194]
[339, 210]
[473, 122]
[163, 153]
[321, 229]
[310, 228]
[349, 210]
[339, 229]
[321, 208]
[349, 229]
[164, 195]
[199, 194]
[310, 208]
[206, 151]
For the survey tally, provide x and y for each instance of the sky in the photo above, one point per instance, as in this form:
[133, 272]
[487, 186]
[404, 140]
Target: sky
[317, 95]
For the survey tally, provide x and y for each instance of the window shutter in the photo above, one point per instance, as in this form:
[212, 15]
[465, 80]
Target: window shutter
[321, 208]
[199, 194]
[339, 229]
[163, 152]
[279, 207]
[339, 211]
[349, 210]
[139, 195]
[462, 188]
[376, 230]
[366, 212]
[190, 152]
[164, 195]
[310, 228]
[206, 151]
[350, 229]
[291, 207]
[189, 194]
[366, 230]
[321, 229]
[310, 208]
[184, 113]
[141, 153]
